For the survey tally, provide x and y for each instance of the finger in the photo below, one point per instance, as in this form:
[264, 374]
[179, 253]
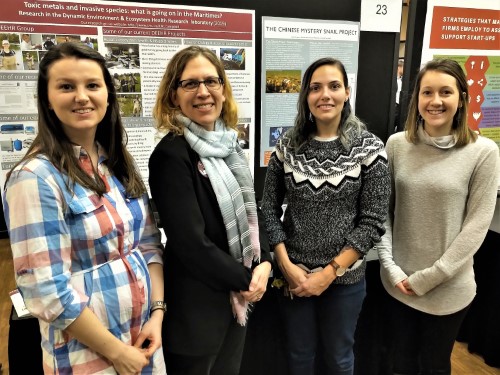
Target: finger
[140, 340]
[254, 283]
[296, 290]
[151, 350]
[251, 287]
[249, 295]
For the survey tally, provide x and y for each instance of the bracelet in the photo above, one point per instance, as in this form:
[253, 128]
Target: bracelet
[158, 305]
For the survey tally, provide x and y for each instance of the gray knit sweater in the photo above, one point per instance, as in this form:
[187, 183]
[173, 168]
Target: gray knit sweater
[335, 197]
[441, 207]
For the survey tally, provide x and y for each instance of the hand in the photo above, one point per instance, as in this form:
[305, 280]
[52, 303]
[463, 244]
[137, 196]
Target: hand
[258, 284]
[151, 331]
[405, 288]
[294, 275]
[130, 360]
[315, 283]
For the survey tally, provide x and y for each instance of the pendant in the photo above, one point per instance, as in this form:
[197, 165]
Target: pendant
[201, 169]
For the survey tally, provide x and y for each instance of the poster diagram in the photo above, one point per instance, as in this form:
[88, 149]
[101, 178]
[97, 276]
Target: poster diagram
[288, 47]
[471, 36]
[137, 40]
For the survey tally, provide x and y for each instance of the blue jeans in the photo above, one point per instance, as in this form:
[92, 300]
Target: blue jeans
[323, 324]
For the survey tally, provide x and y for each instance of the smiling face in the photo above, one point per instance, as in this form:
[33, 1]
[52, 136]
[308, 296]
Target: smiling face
[78, 96]
[438, 101]
[202, 106]
[327, 96]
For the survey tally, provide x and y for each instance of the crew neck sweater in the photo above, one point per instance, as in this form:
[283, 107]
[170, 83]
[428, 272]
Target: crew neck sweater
[335, 197]
[441, 207]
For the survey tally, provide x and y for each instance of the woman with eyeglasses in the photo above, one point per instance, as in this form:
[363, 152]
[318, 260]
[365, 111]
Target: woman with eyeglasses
[217, 262]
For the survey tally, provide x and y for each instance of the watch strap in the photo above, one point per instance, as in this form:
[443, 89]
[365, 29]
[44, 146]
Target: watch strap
[158, 305]
[339, 270]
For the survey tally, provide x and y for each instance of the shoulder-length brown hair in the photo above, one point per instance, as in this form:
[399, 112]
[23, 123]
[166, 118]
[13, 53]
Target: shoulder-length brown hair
[459, 128]
[52, 142]
[165, 111]
[304, 127]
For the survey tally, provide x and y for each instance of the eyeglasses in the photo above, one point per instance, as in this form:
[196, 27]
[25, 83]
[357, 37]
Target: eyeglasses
[211, 83]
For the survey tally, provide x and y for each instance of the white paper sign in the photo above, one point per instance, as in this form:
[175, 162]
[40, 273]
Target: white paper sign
[18, 302]
[381, 15]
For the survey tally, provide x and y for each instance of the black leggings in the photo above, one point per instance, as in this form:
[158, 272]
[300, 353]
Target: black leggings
[422, 343]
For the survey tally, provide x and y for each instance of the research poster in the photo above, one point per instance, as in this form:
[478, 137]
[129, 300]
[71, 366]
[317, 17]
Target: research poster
[137, 41]
[288, 47]
[469, 32]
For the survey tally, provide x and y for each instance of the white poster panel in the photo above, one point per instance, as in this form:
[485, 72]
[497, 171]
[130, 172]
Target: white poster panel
[289, 46]
[137, 40]
[381, 15]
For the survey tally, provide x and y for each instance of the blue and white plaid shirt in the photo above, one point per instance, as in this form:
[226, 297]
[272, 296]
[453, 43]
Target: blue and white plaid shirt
[77, 250]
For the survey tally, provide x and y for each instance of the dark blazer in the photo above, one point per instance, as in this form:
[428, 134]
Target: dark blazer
[199, 271]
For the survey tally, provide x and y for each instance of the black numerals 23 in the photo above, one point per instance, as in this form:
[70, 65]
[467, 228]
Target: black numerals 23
[381, 9]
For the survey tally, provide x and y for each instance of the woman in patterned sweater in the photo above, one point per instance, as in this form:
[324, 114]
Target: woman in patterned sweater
[333, 174]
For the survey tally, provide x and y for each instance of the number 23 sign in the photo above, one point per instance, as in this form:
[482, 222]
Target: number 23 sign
[381, 15]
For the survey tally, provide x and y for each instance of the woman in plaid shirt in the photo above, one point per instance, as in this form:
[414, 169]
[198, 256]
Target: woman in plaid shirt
[87, 254]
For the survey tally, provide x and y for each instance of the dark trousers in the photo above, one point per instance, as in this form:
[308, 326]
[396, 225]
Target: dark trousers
[323, 324]
[226, 362]
[371, 348]
[25, 351]
[422, 343]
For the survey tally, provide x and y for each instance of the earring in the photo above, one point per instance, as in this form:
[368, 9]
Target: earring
[420, 119]
[311, 118]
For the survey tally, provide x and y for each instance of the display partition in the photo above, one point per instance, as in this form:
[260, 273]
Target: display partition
[376, 81]
[413, 53]
[377, 60]
[375, 104]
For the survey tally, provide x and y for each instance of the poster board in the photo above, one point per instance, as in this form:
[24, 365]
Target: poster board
[137, 41]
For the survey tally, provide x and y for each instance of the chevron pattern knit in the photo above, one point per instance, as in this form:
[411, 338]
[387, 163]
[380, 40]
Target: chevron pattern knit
[335, 197]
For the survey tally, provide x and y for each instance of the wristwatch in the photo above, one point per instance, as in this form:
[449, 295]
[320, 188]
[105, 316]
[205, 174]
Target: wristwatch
[158, 305]
[339, 270]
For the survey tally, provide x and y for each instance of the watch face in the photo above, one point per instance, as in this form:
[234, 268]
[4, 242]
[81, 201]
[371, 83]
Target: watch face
[340, 271]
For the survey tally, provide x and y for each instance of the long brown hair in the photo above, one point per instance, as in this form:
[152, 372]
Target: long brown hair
[305, 126]
[165, 111]
[459, 128]
[53, 142]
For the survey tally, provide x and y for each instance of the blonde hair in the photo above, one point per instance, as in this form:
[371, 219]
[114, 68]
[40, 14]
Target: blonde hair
[165, 111]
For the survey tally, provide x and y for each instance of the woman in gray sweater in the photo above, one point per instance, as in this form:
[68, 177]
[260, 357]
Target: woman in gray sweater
[444, 185]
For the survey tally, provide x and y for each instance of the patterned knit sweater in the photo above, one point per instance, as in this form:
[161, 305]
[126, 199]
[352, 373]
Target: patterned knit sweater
[335, 198]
